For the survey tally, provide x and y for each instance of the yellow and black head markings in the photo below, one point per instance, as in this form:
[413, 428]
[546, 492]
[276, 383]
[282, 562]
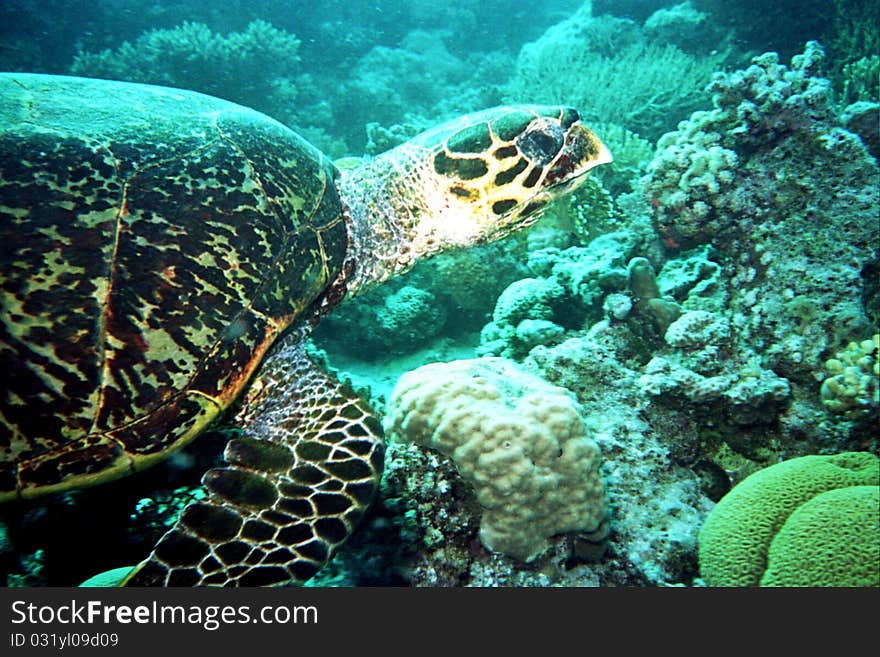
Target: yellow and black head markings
[156, 243]
[500, 171]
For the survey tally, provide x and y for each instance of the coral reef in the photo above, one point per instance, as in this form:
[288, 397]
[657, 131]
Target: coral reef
[637, 10]
[688, 194]
[694, 279]
[391, 321]
[517, 440]
[853, 380]
[566, 292]
[529, 302]
[606, 67]
[782, 26]
[255, 67]
[860, 81]
[425, 532]
[728, 396]
[788, 200]
[412, 86]
[763, 531]
[854, 43]
[657, 505]
[446, 296]
[645, 293]
[685, 27]
[863, 118]
[387, 78]
[840, 522]
[631, 156]
[692, 362]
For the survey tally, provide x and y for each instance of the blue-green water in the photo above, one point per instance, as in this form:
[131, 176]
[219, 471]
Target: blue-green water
[334, 68]
[709, 300]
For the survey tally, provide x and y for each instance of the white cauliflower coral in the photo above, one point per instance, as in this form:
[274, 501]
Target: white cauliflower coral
[517, 439]
[852, 384]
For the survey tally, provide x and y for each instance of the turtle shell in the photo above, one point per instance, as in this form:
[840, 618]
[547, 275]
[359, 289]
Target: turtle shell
[155, 242]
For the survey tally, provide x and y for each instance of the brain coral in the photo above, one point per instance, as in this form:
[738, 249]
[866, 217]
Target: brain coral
[844, 522]
[777, 521]
[519, 441]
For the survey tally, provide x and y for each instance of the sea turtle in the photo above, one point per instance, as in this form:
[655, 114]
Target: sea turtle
[157, 243]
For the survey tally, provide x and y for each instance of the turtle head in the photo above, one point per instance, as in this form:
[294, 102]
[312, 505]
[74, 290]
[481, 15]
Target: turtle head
[488, 174]
[472, 180]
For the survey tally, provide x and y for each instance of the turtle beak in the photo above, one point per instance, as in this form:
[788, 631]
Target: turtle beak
[582, 151]
[603, 157]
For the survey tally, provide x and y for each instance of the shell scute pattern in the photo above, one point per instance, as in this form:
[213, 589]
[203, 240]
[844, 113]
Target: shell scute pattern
[60, 289]
[170, 263]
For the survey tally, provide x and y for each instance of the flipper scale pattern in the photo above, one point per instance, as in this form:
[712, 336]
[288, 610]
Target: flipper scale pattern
[298, 479]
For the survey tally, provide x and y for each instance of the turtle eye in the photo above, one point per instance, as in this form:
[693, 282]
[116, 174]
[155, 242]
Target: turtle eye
[541, 141]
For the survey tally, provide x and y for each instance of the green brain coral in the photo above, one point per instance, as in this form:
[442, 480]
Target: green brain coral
[751, 525]
[844, 523]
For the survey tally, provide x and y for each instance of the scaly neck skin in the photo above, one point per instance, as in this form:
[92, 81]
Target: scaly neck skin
[385, 200]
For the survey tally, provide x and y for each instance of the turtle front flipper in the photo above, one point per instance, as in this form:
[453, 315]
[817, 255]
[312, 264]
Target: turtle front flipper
[299, 477]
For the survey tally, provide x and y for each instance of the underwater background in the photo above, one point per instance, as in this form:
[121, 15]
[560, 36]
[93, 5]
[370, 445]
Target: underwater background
[704, 311]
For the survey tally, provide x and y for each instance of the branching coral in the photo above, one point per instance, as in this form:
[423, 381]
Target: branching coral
[256, 67]
[606, 68]
[854, 45]
[860, 80]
